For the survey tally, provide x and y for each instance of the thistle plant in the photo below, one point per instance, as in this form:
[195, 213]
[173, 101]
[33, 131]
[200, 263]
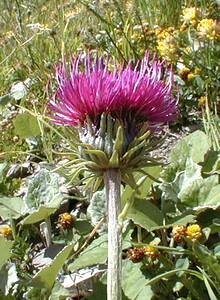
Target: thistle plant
[113, 111]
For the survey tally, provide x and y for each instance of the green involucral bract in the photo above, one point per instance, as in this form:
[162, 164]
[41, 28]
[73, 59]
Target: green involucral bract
[108, 146]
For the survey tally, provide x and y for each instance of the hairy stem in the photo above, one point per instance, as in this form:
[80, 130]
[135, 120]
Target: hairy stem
[112, 179]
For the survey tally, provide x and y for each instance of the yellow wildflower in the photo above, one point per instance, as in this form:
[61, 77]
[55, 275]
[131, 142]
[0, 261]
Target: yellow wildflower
[197, 71]
[193, 231]
[6, 231]
[168, 50]
[208, 28]
[66, 220]
[202, 100]
[187, 50]
[183, 73]
[189, 14]
[151, 251]
[190, 76]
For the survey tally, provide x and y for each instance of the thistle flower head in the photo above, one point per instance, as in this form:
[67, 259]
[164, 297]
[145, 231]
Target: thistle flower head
[91, 88]
[115, 108]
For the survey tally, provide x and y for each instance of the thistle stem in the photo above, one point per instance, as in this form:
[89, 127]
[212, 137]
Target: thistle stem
[112, 179]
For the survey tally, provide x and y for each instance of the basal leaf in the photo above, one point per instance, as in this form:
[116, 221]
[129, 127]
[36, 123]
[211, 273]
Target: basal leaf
[172, 190]
[12, 207]
[134, 282]
[26, 126]
[95, 253]
[202, 193]
[38, 215]
[5, 248]
[145, 214]
[194, 145]
[45, 278]
[97, 209]
[44, 190]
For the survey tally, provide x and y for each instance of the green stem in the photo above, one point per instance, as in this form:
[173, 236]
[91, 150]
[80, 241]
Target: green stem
[112, 179]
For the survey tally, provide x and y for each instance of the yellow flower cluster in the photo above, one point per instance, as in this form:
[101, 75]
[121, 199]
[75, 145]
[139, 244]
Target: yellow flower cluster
[138, 254]
[66, 220]
[167, 44]
[202, 100]
[208, 28]
[151, 251]
[190, 15]
[187, 75]
[192, 232]
[6, 231]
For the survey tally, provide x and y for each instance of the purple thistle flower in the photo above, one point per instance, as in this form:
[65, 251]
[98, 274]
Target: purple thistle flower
[139, 94]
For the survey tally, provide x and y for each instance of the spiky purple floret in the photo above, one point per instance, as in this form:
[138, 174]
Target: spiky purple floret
[90, 88]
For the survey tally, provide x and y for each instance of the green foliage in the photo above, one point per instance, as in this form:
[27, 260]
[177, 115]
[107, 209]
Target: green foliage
[35, 36]
[95, 253]
[26, 126]
[97, 209]
[5, 247]
[146, 214]
[12, 207]
[132, 273]
[45, 278]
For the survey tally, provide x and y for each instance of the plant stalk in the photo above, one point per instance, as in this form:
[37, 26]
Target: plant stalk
[112, 179]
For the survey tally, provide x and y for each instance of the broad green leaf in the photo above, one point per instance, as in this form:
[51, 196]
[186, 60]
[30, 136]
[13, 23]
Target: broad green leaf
[44, 190]
[146, 214]
[134, 282]
[45, 278]
[12, 207]
[95, 253]
[146, 293]
[26, 126]
[83, 226]
[38, 215]
[202, 193]
[5, 248]
[172, 190]
[97, 209]
[183, 219]
[194, 145]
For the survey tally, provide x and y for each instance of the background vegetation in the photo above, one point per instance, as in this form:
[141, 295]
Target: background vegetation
[164, 261]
